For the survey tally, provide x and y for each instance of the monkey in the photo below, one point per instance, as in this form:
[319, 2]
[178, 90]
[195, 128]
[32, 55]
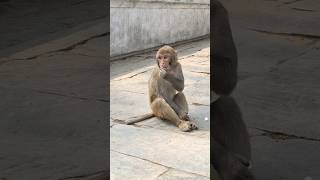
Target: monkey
[231, 151]
[166, 84]
[166, 99]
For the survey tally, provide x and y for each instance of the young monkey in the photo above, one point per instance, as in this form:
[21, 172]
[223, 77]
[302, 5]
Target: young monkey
[165, 90]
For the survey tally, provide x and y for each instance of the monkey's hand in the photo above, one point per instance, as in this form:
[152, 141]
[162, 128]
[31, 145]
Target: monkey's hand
[184, 116]
[163, 73]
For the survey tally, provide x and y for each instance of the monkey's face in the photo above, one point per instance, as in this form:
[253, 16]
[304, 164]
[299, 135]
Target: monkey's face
[164, 61]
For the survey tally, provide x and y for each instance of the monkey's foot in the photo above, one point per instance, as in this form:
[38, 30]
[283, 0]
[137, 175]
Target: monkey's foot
[187, 126]
[193, 125]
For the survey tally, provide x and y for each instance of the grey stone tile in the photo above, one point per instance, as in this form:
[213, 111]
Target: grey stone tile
[187, 153]
[127, 167]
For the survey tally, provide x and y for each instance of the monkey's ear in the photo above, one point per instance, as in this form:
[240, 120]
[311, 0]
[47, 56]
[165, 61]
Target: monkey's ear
[156, 58]
[174, 57]
[176, 54]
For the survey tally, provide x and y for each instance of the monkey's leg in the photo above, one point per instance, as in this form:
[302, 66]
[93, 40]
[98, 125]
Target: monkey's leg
[163, 110]
[181, 101]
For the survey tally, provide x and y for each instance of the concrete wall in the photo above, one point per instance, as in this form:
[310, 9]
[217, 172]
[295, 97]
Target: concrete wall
[136, 25]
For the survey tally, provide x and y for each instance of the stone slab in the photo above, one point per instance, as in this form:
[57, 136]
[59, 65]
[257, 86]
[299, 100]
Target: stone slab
[128, 167]
[180, 175]
[178, 151]
[53, 111]
[278, 82]
[67, 74]
[292, 159]
[62, 43]
[299, 17]
[40, 157]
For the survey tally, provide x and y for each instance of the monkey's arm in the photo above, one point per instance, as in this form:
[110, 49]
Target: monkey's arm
[174, 106]
[176, 78]
[224, 56]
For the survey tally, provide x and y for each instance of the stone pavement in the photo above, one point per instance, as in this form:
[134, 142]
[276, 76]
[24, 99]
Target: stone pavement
[53, 108]
[155, 149]
[278, 89]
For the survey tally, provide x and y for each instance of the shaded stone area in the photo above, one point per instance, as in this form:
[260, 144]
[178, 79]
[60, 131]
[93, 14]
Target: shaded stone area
[29, 23]
[285, 159]
[278, 89]
[160, 147]
[53, 108]
[295, 17]
[172, 153]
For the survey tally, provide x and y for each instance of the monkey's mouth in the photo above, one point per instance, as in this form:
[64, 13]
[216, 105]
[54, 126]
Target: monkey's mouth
[164, 67]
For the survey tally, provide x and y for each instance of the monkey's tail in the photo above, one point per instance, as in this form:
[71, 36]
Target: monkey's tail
[139, 118]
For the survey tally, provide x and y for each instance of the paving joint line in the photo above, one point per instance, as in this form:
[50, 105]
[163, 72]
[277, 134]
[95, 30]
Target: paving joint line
[68, 48]
[283, 136]
[157, 163]
[84, 175]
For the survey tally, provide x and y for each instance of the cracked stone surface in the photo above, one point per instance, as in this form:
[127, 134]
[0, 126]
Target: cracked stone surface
[53, 109]
[278, 88]
[286, 16]
[278, 82]
[185, 155]
[26, 24]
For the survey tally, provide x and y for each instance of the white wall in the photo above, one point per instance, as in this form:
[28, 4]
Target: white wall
[141, 24]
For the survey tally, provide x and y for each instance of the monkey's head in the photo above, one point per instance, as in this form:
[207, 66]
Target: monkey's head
[166, 57]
